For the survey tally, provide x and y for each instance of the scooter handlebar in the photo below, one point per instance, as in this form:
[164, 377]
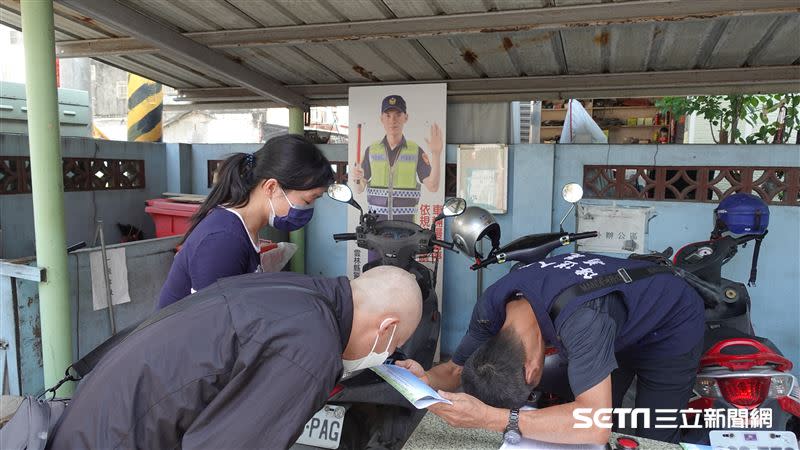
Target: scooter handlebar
[447, 245]
[525, 253]
[483, 263]
[579, 236]
[338, 237]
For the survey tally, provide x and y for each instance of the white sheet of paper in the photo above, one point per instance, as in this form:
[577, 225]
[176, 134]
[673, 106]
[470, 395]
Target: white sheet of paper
[412, 388]
[482, 186]
[532, 444]
[117, 275]
[620, 229]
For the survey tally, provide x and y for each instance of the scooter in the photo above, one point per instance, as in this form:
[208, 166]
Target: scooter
[363, 411]
[738, 369]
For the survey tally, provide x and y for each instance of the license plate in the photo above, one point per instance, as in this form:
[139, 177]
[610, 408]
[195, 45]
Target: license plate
[325, 428]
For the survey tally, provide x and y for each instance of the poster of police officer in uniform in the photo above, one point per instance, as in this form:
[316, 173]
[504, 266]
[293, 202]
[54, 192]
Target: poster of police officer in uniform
[396, 161]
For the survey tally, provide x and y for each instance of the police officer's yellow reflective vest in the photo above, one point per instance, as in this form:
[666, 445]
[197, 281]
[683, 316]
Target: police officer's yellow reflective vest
[401, 175]
[393, 189]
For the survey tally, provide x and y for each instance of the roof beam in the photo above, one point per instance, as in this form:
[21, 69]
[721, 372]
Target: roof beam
[183, 48]
[557, 17]
[634, 84]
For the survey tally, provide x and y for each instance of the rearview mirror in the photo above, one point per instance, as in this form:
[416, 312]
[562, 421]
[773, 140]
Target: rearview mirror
[572, 192]
[340, 193]
[454, 207]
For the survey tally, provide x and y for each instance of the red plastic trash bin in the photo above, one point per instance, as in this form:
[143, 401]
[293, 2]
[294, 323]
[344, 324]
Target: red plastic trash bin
[171, 218]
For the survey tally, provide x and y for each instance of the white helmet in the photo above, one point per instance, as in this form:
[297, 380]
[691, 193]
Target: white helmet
[472, 226]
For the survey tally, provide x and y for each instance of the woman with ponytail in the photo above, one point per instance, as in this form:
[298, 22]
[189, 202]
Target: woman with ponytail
[276, 186]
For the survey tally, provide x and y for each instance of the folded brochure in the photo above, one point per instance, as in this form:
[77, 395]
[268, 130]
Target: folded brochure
[409, 386]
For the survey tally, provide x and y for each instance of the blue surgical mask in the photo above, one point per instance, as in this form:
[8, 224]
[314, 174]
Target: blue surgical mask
[296, 218]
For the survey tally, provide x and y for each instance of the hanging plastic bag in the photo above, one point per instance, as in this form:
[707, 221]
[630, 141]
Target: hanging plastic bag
[276, 257]
[579, 127]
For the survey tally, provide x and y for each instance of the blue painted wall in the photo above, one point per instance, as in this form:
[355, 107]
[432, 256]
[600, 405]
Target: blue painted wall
[84, 208]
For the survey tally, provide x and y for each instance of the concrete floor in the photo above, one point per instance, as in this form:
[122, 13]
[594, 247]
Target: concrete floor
[434, 434]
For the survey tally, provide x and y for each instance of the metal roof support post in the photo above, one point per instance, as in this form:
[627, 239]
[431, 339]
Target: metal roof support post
[297, 237]
[48, 188]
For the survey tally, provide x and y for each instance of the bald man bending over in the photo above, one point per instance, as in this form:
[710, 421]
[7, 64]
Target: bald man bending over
[244, 363]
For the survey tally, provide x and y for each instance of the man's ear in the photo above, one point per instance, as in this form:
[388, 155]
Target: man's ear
[388, 324]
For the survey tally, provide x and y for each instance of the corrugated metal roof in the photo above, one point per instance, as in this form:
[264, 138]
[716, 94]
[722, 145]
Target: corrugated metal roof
[746, 35]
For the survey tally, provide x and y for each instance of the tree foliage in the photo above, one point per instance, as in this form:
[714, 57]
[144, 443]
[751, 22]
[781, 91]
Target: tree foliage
[725, 112]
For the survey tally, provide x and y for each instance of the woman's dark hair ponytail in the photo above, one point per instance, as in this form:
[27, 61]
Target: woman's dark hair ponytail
[292, 160]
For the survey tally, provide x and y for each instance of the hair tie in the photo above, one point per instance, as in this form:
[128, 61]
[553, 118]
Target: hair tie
[250, 160]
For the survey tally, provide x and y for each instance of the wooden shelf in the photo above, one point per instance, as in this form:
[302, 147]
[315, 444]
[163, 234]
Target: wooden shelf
[616, 132]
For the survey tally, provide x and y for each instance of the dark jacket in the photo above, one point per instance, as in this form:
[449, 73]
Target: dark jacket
[242, 364]
[664, 315]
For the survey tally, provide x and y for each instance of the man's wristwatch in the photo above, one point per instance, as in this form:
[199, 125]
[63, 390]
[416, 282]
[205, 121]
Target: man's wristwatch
[512, 435]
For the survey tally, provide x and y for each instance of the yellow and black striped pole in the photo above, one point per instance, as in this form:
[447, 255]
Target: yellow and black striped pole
[145, 108]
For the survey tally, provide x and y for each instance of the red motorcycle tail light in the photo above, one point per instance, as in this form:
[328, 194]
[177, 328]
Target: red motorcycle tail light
[744, 392]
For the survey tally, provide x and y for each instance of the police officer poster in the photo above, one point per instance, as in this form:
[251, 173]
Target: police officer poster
[397, 159]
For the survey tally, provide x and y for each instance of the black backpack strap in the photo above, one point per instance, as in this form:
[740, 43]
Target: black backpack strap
[754, 264]
[621, 276]
[85, 365]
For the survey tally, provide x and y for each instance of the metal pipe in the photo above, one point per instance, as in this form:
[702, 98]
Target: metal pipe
[298, 237]
[561, 224]
[47, 188]
[107, 282]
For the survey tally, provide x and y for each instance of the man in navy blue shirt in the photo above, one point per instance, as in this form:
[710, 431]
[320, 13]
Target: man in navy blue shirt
[651, 327]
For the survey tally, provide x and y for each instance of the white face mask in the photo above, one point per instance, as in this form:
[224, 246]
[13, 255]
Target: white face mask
[371, 360]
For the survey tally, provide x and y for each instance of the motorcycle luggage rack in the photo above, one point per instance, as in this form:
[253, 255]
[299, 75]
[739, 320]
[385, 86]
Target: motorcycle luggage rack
[763, 356]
